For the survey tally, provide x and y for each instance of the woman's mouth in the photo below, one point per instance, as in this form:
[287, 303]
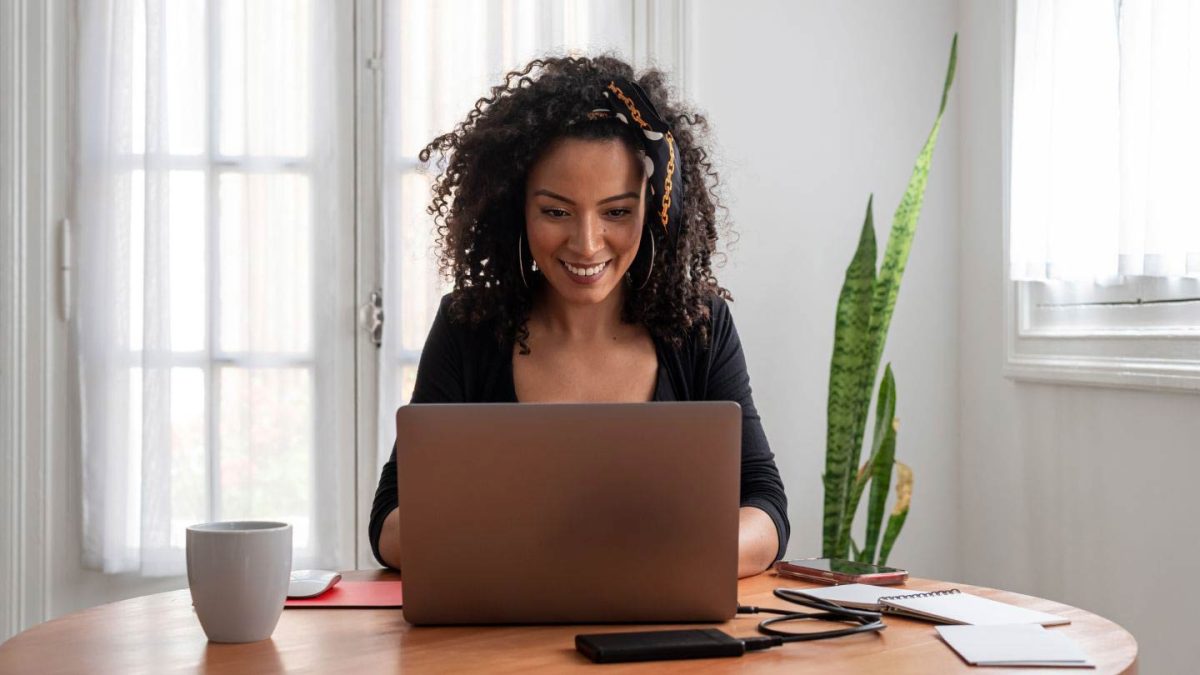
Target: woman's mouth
[589, 274]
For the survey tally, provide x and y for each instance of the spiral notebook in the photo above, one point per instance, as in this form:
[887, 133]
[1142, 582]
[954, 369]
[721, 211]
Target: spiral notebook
[954, 606]
[948, 606]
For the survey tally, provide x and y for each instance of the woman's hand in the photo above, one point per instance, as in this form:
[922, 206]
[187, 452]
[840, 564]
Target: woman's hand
[758, 541]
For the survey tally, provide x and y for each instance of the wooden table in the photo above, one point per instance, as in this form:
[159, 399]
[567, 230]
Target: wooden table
[159, 633]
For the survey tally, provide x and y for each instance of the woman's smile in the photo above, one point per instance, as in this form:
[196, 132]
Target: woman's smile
[585, 274]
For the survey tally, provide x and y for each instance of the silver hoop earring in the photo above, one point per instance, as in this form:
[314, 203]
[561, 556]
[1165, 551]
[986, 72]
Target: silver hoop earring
[521, 258]
[651, 269]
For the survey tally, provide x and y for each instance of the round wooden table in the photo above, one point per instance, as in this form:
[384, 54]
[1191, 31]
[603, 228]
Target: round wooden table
[159, 633]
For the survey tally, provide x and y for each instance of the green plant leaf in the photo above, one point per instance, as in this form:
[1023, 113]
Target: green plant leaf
[860, 483]
[852, 376]
[881, 468]
[885, 411]
[904, 227]
[904, 488]
[849, 382]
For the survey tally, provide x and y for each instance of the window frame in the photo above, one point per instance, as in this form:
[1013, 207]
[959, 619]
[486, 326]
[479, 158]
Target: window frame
[34, 426]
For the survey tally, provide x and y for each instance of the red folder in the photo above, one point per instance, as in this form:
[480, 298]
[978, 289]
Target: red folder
[355, 594]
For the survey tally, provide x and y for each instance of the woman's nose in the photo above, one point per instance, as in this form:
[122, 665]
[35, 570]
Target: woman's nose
[588, 237]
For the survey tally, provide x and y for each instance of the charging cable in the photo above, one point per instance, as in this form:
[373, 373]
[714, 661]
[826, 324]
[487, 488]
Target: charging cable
[710, 642]
[863, 621]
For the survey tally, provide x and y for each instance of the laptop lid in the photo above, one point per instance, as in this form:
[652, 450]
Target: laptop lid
[569, 512]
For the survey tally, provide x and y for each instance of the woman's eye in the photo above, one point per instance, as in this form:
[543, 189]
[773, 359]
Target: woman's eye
[620, 213]
[554, 213]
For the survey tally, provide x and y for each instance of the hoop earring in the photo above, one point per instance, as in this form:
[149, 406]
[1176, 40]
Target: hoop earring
[521, 258]
[651, 268]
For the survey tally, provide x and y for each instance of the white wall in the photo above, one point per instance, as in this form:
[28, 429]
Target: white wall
[816, 104]
[1072, 493]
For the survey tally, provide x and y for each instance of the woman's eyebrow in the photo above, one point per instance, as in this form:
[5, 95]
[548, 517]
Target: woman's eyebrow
[559, 197]
[614, 198]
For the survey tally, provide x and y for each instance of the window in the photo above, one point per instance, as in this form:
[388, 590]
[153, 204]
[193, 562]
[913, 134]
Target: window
[1103, 232]
[213, 178]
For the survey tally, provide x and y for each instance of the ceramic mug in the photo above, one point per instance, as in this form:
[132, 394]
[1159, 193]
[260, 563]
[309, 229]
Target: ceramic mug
[238, 573]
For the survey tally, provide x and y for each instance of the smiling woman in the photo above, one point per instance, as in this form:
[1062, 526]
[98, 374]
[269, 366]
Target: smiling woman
[576, 217]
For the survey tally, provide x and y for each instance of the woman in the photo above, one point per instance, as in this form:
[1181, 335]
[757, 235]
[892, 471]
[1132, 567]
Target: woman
[578, 224]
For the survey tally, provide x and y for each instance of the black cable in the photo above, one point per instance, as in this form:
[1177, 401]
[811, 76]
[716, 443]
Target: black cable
[864, 621]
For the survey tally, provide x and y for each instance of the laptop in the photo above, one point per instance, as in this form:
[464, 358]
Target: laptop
[569, 512]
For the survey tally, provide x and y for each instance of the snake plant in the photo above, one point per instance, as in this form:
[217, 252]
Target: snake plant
[864, 314]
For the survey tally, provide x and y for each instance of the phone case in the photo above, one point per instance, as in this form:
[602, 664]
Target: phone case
[835, 578]
[815, 577]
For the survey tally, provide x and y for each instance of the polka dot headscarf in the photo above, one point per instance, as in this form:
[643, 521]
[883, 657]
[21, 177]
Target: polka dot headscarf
[627, 102]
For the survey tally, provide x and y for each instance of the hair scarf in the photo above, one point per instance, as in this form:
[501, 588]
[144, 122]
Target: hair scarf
[628, 102]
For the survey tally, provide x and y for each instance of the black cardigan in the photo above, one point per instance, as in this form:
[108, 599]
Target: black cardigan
[461, 364]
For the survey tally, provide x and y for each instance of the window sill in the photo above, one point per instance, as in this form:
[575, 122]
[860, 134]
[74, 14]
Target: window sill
[1109, 348]
[1145, 374]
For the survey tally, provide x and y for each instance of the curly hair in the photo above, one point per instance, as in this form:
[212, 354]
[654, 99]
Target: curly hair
[479, 194]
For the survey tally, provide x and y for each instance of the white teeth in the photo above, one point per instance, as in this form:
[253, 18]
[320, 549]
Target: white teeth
[585, 271]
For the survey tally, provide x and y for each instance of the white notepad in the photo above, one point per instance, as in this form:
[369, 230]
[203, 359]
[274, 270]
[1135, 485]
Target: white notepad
[952, 606]
[1014, 645]
[948, 606]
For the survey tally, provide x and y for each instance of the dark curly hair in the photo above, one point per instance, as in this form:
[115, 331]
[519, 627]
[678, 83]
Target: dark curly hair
[478, 198]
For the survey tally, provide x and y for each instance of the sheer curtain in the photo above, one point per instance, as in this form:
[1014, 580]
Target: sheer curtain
[1106, 98]
[441, 56]
[210, 184]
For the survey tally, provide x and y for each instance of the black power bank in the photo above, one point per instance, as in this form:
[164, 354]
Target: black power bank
[658, 645]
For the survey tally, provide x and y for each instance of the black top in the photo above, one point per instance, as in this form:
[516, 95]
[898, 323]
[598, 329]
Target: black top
[466, 365]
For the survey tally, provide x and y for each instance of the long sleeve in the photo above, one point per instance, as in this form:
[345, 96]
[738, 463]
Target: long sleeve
[728, 380]
[440, 379]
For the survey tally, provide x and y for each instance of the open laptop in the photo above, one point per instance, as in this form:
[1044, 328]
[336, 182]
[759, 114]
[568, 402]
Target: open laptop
[569, 512]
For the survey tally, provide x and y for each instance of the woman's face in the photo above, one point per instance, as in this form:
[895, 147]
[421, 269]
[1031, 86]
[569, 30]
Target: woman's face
[584, 208]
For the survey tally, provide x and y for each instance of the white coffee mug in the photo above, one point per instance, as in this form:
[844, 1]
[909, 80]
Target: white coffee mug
[238, 573]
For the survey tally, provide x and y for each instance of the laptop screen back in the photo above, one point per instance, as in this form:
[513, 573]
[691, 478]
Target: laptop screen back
[569, 512]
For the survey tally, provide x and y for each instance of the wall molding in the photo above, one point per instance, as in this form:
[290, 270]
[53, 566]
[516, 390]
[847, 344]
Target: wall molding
[33, 180]
[12, 318]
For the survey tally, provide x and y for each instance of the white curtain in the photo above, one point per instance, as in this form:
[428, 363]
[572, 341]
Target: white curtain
[207, 211]
[1105, 139]
[441, 56]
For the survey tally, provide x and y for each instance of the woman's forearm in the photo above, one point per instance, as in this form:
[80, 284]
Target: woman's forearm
[758, 542]
[389, 540]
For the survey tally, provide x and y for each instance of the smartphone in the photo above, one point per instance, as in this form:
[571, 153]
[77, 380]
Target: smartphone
[837, 571]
